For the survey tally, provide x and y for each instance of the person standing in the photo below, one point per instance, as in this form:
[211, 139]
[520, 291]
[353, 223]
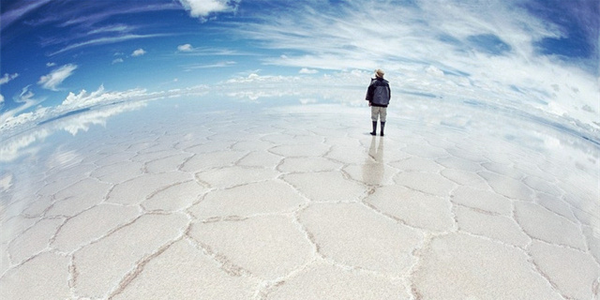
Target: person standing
[378, 95]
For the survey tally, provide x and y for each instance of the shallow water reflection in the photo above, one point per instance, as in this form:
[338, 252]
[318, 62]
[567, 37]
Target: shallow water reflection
[253, 193]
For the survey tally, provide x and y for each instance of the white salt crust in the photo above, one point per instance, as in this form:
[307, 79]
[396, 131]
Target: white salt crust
[294, 206]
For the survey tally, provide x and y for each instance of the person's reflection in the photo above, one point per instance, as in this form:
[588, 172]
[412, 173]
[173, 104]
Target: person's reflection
[373, 167]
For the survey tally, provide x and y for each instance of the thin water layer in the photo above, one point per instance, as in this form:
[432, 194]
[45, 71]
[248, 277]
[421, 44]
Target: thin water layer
[177, 200]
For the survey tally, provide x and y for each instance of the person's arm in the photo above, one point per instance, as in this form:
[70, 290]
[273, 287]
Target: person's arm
[389, 92]
[369, 96]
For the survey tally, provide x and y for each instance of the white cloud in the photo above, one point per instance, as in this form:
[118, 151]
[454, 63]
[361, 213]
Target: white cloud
[308, 71]
[85, 99]
[12, 117]
[23, 9]
[203, 8]
[435, 71]
[1, 100]
[50, 64]
[138, 52]
[23, 144]
[117, 60]
[14, 120]
[112, 28]
[220, 64]
[429, 39]
[8, 77]
[106, 40]
[185, 48]
[56, 77]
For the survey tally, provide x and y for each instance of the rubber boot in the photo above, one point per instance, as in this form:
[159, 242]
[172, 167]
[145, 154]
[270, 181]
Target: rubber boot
[374, 132]
[382, 127]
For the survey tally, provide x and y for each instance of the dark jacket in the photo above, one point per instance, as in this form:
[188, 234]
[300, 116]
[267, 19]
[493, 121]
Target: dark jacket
[379, 92]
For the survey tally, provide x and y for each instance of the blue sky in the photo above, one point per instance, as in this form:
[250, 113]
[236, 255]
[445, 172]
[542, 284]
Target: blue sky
[64, 55]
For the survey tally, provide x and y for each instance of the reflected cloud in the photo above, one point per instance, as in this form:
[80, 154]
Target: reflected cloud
[448, 48]
[20, 145]
[12, 122]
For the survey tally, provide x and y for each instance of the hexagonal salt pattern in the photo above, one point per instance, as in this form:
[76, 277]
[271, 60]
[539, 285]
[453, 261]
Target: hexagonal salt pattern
[299, 206]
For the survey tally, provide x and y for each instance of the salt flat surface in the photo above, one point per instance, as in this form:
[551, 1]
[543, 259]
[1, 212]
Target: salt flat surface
[301, 204]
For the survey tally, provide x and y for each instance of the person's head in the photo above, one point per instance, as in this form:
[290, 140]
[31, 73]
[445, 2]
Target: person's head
[379, 73]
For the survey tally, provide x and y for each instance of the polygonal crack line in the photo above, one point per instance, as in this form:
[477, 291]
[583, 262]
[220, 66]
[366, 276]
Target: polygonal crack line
[362, 270]
[33, 256]
[446, 197]
[516, 220]
[329, 150]
[388, 216]
[203, 183]
[237, 163]
[279, 164]
[41, 214]
[295, 188]
[236, 218]
[110, 232]
[479, 210]
[492, 239]
[537, 190]
[572, 209]
[18, 234]
[72, 278]
[48, 248]
[152, 194]
[52, 239]
[428, 238]
[201, 198]
[412, 269]
[219, 259]
[454, 218]
[344, 164]
[583, 237]
[139, 267]
[146, 163]
[536, 268]
[267, 286]
[587, 245]
[307, 234]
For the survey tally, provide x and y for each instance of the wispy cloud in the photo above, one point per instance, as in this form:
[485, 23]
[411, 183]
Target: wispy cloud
[466, 48]
[220, 64]
[100, 11]
[188, 49]
[56, 77]
[15, 116]
[138, 52]
[16, 120]
[87, 25]
[120, 28]
[18, 10]
[8, 77]
[106, 40]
